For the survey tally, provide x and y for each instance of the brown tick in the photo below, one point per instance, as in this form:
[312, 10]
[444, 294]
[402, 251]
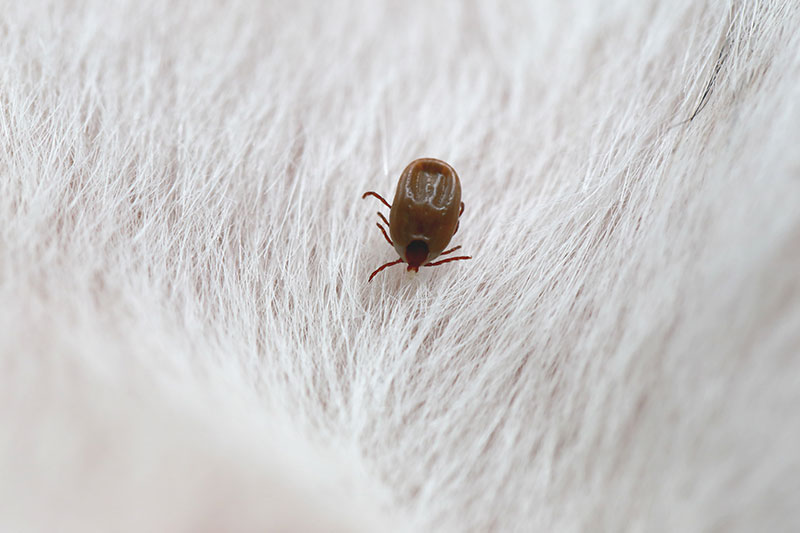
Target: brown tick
[424, 215]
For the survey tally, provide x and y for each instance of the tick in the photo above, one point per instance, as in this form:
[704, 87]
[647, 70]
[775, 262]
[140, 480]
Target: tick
[424, 214]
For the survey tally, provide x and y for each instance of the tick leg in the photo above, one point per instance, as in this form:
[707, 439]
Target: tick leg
[450, 250]
[384, 266]
[384, 233]
[458, 223]
[459, 258]
[462, 209]
[378, 196]
[384, 219]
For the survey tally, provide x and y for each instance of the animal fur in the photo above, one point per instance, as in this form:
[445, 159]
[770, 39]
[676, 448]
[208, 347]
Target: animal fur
[189, 341]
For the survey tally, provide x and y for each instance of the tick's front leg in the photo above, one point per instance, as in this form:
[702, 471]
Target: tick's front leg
[384, 266]
[449, 259]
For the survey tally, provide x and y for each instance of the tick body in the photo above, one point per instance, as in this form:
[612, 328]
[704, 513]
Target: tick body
[424, 214]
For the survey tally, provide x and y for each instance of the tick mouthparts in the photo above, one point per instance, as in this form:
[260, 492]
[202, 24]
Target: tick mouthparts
[416, 254]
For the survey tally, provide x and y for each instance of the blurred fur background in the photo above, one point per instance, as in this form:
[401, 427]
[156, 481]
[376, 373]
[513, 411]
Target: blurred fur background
[189, 342]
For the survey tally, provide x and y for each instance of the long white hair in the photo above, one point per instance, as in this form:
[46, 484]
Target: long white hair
[189, 341]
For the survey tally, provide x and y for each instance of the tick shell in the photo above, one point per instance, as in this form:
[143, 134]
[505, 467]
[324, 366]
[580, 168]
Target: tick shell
[426, 207]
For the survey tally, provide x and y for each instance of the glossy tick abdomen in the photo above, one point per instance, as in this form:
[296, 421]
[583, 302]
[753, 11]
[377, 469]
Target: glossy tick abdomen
[426, 207]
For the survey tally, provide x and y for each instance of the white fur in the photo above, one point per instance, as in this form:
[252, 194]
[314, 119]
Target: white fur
[189, 341]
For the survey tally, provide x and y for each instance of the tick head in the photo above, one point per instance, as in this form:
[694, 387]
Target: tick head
[416, 254]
